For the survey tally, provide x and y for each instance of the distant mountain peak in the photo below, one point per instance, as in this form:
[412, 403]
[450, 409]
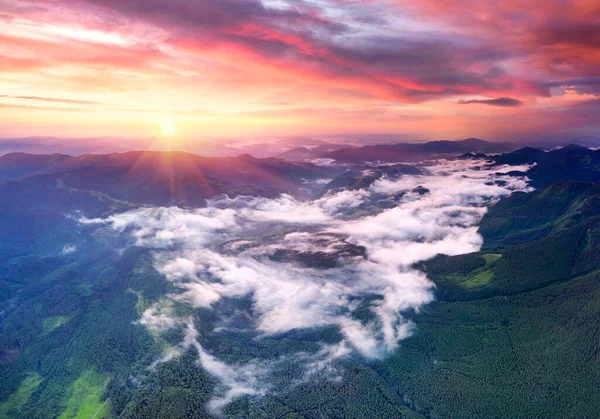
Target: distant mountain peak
[528, 150]
[572, 150]
[246, 157]
[575, 147]
[473, 140]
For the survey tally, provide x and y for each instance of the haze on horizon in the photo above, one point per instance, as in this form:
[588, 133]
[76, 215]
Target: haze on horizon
[429, 69]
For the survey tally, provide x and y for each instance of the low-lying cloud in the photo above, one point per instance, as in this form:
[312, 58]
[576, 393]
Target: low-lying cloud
[311, 265]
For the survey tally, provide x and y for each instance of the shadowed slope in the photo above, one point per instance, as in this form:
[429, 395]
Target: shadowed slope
[159, 178]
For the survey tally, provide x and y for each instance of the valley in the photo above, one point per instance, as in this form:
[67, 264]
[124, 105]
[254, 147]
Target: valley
[95, 317]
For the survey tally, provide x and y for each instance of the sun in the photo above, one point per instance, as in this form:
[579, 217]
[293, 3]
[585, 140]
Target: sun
[168, 128]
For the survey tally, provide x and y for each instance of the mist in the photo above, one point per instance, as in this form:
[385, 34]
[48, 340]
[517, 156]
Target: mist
[266, 268]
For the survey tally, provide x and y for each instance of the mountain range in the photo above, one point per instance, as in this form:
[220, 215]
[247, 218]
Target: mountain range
[159, 178]
[512, 332]
[572, 162]
[402, 152]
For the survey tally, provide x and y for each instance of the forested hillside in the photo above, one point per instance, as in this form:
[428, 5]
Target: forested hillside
[513, 330]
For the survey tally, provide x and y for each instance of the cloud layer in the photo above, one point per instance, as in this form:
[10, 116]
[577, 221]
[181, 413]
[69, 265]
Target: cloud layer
[310, 265]
[391, 65]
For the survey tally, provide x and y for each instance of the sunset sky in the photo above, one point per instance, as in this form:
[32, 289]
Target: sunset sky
[435, 69]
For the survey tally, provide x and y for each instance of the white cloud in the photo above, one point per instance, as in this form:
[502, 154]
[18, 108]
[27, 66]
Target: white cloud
[158, 319]
[235, 381]
[223, 251]
[323, 162]
[68, 249]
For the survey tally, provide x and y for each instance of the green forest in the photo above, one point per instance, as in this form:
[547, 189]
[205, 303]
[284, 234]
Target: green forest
[513, 330]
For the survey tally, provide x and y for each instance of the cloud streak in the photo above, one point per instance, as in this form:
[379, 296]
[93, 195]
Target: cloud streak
[51, 100]
[500, 101]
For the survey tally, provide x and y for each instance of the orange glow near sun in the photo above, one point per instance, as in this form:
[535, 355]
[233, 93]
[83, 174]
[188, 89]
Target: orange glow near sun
[95, 68]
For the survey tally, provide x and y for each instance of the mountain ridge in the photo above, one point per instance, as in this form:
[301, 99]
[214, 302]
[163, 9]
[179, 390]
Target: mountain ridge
[160, 178]
[400, 152]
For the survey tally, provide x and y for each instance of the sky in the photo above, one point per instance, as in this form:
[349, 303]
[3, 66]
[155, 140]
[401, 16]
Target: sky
[430, 69]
